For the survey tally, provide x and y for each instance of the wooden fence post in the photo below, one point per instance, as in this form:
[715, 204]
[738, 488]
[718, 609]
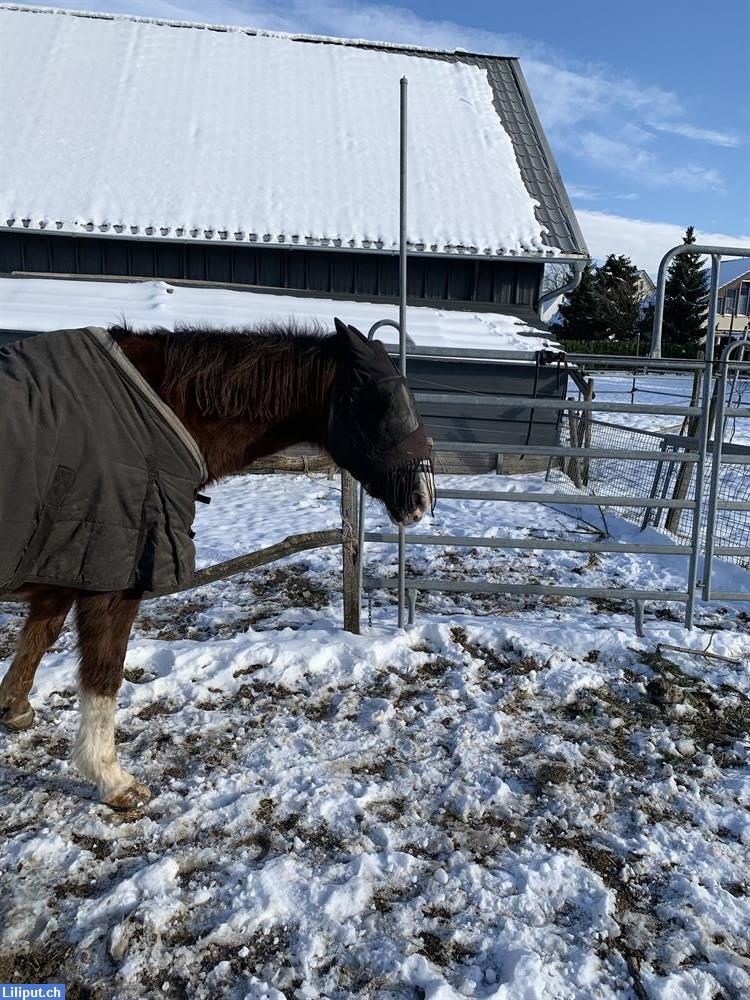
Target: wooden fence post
[350, 555]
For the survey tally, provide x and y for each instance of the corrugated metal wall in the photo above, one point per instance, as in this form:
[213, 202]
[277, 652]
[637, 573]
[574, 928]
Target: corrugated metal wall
[336, 272]
[495, 425]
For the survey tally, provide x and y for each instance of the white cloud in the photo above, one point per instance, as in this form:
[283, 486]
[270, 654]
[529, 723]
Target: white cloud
[569, 96]
[693, 178]
[581, 193]
[614, 153]
[688, 131]
[630, 154]
[644, 242]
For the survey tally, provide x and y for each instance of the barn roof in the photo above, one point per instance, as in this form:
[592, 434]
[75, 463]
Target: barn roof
[141, 128]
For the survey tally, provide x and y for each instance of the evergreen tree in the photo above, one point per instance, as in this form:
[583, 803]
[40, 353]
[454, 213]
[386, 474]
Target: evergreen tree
[578, 310]
[617, 299]
[685, 301]
[605, 306]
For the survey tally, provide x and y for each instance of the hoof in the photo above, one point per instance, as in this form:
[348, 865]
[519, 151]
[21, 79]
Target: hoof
[133, 798]
[16, 718]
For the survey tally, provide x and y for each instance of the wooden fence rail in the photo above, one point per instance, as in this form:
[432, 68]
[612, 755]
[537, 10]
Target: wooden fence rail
[261, 557]
[251, 560]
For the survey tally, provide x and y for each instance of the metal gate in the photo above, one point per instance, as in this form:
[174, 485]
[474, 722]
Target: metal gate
[727, 530]
[655, 462]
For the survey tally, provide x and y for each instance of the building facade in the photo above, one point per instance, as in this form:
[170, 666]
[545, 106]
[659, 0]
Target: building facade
[733, 313]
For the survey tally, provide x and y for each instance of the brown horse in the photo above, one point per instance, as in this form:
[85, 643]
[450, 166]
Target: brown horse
[242, 395]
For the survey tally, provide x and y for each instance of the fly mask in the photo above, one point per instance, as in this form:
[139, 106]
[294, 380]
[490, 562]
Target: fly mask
[374, 428]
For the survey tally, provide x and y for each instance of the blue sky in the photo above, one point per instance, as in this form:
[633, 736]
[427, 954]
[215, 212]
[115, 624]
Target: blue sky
[646, 104]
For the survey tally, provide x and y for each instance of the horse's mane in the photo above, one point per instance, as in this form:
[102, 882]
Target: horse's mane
[262, 371]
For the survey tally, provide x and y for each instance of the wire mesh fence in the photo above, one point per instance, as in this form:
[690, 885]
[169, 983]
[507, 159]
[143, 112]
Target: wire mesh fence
[635, 441]
[674, 477]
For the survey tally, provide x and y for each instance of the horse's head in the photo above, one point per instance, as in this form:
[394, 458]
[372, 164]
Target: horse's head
[374, 430]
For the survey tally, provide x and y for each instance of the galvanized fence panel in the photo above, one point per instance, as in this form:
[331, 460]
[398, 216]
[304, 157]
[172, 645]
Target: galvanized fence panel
[587, 453]
[679, 465]
[727, 528]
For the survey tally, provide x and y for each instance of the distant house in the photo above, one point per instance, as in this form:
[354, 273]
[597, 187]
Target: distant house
[152, 149]
[646, 288]
[733, 315]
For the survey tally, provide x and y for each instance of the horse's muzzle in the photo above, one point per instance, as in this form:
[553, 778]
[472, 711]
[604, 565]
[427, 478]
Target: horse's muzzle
[421, 503]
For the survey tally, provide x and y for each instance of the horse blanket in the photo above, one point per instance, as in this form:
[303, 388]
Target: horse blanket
[98, 477]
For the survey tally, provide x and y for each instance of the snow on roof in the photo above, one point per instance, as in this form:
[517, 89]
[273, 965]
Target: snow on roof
[731, 270]
[51, 304]
[142, 128]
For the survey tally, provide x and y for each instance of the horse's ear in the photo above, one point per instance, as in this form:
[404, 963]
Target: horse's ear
[356, 343]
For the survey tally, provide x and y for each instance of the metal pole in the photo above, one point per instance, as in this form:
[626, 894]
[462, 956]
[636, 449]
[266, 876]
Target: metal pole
[655, 351]
[362, 500]
[362, 495]
[654, 490]
[402, 326]
[412, 605]
[703, 439]
[402, 230]
[640, 607]
[661, 282]
[708, 552]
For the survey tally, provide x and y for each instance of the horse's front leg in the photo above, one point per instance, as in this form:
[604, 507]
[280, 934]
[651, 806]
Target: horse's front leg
[104, 623]
[48, 609]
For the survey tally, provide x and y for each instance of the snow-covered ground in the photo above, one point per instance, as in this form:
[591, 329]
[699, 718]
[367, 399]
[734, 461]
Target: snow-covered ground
[517, 798]
[616, 387]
